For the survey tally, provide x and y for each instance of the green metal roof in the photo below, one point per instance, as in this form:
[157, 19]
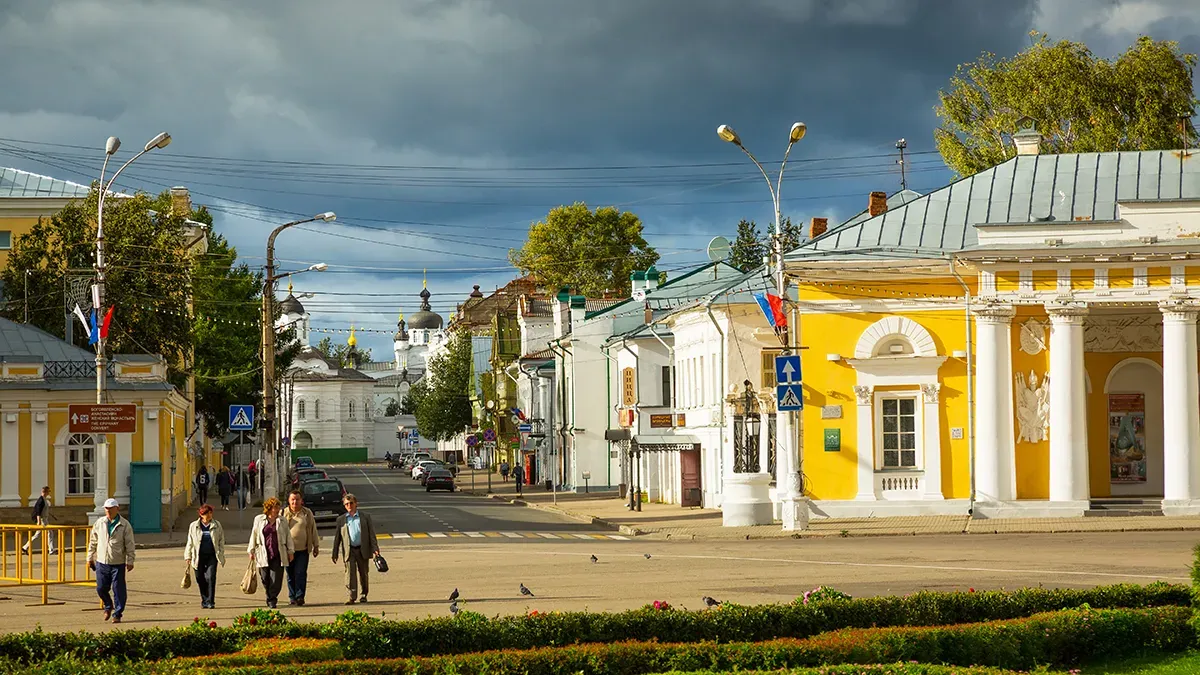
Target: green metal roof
[1027, 189]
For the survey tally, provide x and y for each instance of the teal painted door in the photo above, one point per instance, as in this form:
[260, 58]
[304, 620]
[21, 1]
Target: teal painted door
[145, 496]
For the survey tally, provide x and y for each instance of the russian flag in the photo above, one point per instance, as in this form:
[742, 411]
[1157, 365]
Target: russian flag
[772, 308]
[105, 324]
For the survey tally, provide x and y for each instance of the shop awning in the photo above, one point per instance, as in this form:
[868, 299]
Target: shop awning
[665, 442]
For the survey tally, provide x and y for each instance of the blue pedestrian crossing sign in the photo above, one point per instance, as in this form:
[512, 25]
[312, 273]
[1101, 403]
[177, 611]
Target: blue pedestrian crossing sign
[414, 434]
[787, 369]
[789, 397]
[241, 418]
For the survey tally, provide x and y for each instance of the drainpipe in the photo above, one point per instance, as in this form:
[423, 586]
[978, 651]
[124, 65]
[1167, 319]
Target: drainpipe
[720, 397]
[970, 387]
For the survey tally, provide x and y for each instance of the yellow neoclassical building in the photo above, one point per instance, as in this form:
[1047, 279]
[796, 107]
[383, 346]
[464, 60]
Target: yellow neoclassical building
[40, 376]
[1020, 342]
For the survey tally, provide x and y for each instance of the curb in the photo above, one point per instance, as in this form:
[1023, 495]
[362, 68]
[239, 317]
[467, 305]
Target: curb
[583, 518]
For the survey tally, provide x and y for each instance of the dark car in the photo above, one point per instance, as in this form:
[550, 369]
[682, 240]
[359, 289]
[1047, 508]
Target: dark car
[438, 479]
[305, 475]
[304, 463]
[324, 497]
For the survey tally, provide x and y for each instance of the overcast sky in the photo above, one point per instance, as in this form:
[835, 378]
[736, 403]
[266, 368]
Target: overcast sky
[438, 130]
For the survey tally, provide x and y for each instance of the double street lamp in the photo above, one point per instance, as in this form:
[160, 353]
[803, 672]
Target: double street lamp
[267, 426]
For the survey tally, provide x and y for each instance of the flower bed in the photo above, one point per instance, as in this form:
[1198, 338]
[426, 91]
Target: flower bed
[366, 637]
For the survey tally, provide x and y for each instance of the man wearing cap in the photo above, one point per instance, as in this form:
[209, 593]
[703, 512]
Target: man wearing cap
[110, 553]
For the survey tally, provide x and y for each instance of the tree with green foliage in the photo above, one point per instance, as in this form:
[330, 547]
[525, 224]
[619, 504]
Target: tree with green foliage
[1141, 100]
[339, 351]
[748, 248]
[412, 400]
[792, 235]
[593, 252]
[443, 409]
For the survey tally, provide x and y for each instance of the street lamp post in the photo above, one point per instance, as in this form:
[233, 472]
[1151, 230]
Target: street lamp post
[111, 146]
[788, 477]
[267, 424]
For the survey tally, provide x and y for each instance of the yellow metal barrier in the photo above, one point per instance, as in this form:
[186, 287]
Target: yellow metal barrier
[36, 566]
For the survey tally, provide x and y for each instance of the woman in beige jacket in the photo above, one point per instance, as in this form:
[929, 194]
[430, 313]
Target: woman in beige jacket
[204, 549]
[271, 548]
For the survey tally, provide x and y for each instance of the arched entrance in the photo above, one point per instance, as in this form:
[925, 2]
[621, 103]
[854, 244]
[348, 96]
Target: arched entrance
[1135, 428]
[303, 441]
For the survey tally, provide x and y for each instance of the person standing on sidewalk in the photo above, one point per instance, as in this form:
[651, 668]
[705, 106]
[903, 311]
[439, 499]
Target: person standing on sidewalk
[353, 538]
[252, 475]
[518, 477]
[270, 546]
[41, 518]
[224, 486]
[110, 553]
[504, 471]
[204, 549]
[303, 527]
[202, 481]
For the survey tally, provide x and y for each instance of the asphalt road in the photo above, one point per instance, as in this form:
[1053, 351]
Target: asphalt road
[402, 508]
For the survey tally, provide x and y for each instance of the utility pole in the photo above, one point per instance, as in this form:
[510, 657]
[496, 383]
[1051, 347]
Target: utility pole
[901, 145]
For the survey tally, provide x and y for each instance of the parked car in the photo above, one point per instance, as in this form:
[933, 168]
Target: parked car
[438, 479]
[324, 497]
[304, 475]
[422, 467]
[304, 463]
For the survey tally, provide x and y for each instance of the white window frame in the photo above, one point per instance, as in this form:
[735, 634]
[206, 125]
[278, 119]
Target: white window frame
[918, 428]
[300, 409]
[317, 409]
[77, 444]
[350, 409]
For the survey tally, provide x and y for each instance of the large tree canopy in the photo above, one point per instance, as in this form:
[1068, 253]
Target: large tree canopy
[442, 398]
[1080, 102]
[591, 251]
[749, 247]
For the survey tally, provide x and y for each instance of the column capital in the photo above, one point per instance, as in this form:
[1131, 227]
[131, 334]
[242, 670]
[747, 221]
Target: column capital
[1179, 310]
[1072, 313]
[994, 313]
[864, 393]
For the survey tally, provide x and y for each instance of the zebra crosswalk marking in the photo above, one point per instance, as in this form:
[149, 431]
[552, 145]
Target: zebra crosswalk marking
[475, 535]
[437, 534]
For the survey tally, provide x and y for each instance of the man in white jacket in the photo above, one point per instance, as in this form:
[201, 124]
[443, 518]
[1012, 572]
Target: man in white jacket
[110, 552]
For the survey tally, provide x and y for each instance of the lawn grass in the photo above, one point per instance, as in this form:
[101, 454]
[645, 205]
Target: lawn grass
[1170, 664]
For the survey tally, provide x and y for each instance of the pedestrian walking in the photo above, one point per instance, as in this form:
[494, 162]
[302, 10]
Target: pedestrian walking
[518, 477]
[271, 548]
[204, 549]
[252, 476]
[303, 527]
[41, 518]
[354, 542]
[225, 486]
[110, 553]
[202, 482]
[504, 471]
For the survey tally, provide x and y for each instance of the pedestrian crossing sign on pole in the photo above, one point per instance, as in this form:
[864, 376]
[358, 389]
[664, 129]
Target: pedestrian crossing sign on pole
[241, 417]
[789, 397]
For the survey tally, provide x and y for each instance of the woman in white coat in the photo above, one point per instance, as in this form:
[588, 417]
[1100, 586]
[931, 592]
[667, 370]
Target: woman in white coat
[204, 549]
[271, 548]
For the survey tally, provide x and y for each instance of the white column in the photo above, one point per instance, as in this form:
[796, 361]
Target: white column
[101, 492]
[1181, 407]
[932, 435]
[865, 440]
[39, 455]
[995, 453]
[1068, 406]
[764, 441]
[124, 457]
[60, 471]
[10, 455]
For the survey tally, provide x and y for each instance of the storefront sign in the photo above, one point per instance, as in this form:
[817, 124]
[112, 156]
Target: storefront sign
[660, 421]
[681, 420]
[628, 388]
[1127, 438]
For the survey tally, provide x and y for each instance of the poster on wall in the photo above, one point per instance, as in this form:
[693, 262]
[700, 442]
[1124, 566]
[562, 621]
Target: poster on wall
[1127, 438]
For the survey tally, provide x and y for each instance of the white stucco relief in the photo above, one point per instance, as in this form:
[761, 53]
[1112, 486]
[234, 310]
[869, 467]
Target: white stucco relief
[1033, 337]
[1123, 334]
[1033, 408]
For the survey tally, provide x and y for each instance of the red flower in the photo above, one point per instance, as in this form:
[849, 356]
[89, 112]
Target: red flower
[212, 624]
[195, 619]
[970, 590]
[253, 621]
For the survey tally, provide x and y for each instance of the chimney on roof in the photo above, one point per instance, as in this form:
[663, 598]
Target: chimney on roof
[578, 310]
[1027, 139]
[649, 316]
[818, 227]
[652, 278]
[181, 202]
[877, 203]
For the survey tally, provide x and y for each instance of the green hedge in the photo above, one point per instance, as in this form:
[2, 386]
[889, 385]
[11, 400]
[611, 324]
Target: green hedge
[1058, 639]
[472, 632]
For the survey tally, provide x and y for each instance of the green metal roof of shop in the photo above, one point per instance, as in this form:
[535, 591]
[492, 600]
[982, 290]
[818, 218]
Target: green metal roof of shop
[1027, 189]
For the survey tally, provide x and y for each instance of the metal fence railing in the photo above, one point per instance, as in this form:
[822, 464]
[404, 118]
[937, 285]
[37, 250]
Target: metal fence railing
[26, 559]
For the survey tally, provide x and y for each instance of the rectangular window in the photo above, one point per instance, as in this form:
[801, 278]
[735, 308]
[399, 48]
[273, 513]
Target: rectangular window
[898, 429]
[768, 367]
[5, 239]
[300, 409]
[702, 383]
[351, 409]
[667, 387]
[716, 381]
[81, 466]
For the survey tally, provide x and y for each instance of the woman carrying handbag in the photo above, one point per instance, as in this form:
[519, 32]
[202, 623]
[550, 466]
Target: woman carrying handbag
[271, 548]
[204, 549]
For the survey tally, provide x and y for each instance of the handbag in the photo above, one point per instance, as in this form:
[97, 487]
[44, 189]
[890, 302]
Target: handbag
[250, 579]
[187, 576]
[380, 564]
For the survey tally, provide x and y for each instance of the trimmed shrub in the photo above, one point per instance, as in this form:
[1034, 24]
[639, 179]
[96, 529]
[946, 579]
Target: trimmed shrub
[472, 632]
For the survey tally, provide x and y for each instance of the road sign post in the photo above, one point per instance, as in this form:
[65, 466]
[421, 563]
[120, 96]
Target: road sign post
[789, 391]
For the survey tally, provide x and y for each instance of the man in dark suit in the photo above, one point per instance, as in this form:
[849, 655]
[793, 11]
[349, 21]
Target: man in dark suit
[354, 542]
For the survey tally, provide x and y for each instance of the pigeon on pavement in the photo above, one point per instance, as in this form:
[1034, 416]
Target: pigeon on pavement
[526, 591]
[595, 559]
[454, 595]
[710, 602]
[454, 608]
[647, 555]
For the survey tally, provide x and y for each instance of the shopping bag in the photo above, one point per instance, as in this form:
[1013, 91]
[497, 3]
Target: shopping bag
[187, 577]
[250, 579]
[380, 564]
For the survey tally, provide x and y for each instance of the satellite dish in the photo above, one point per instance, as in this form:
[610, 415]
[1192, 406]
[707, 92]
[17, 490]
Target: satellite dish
[719, 249]
[639, 294]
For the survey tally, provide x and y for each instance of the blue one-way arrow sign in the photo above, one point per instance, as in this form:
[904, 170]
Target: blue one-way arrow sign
[787, 369]
[241, 418]
[789, 397]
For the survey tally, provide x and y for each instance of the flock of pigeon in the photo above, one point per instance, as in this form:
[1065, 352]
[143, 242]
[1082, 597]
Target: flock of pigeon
[455, 609]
